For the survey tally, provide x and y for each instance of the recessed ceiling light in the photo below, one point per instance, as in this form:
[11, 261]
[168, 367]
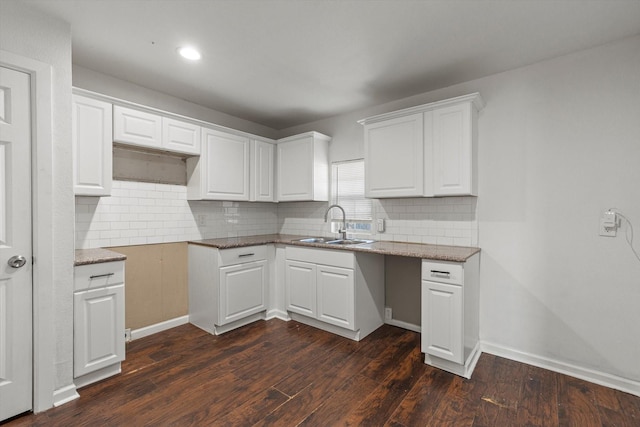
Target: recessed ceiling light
[189, 53]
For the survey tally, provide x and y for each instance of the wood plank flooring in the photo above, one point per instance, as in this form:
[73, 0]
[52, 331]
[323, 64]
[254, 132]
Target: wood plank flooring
[287, 374]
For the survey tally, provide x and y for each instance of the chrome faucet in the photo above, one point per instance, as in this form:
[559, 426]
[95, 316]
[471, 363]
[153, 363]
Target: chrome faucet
[343, 231]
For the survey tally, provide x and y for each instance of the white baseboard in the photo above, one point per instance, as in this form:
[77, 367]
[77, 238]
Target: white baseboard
[64, 395]
[602, 378]
[278, 314]
[159, 327]
[403, 325]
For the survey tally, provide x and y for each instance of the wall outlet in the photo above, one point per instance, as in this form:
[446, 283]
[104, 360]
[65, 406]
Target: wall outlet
[201, 220]
[380, 225]
[127, 335]
[388, 313]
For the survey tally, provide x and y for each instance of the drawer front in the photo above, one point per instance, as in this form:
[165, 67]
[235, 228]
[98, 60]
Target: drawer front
[334, 258]
[242, 255]
[442, 272]
[92, 276]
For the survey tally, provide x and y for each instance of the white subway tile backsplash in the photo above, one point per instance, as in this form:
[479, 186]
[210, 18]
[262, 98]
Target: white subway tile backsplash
[145, 213]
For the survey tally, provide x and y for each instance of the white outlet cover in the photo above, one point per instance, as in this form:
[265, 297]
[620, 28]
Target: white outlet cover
[607, 232]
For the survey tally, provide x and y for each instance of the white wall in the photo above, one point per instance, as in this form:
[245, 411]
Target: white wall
[97, 82]
[559, 142]
[31, 34]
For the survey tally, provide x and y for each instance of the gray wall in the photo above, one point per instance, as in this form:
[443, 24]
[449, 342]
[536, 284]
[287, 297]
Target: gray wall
[559, 143]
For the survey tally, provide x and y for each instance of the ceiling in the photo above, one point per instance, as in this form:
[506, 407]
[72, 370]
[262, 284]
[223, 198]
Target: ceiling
[282, 63]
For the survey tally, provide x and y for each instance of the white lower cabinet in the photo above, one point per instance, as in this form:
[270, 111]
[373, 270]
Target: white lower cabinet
[98, 329]
[335, 292]
[450, 315]
[242, 290]
[328, 289]
[228, 288]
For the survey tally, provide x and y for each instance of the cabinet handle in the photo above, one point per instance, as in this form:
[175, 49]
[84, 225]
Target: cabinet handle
[446, 274]
[101, 275]
[245, 255]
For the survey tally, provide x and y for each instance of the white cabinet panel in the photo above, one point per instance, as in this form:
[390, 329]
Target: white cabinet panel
[98, 328]
[92, 155]
[222, 170]
[180, 137]
[452, 150]
[336, 296]
[243, 290]
[300, 279]
[442, 320]
[394, 157]
[137, 127]
[262, 172]
[303, 168]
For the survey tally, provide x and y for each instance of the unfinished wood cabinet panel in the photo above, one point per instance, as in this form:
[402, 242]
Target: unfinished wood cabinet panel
[156, 278]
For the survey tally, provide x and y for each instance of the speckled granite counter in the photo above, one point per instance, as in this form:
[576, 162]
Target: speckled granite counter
[414, 250]
[96, 256]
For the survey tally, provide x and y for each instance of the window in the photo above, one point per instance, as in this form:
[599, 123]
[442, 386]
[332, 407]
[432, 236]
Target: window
[347, 190]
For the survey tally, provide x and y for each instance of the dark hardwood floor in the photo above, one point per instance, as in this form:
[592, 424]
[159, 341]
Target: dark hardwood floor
[288, 374]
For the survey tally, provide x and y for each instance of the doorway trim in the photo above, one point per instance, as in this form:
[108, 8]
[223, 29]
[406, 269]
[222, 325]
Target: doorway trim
[42, 225]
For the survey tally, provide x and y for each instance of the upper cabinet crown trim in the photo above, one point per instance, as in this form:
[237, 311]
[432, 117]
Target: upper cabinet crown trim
[167, 114]
[315, 135]
[475, 98]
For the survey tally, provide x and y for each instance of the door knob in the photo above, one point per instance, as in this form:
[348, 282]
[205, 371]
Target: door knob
[17, 261]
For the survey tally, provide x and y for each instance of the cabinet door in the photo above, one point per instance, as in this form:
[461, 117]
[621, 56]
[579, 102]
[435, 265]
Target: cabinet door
[295, 170]
[180, 136]
[300, 284]
[92, 154]
[226, 166]
[263, 172]
[98, 328]
[393, 155]
[137, 127]
[336, 296]
[452, 150]
[442, 321]
[243, 290]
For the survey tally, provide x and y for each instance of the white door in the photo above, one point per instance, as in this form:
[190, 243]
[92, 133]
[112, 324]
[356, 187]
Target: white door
[227, 165]
[262, 168]
[15, 241]
[300, 284]
[336, 296]
[243, 290]
[98, 325]
[442, 321]
[393, 157]
[295, 170]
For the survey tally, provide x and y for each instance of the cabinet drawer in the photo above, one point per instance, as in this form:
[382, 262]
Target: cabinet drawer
[335, 258]
[443, 272]
[98, 275]
[242, 255]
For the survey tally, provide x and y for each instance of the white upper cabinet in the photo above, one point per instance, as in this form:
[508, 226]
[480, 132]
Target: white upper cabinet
[222, 170]
[92, 155]
[424, 151]
[137, 127]
[144, 129]
[262, 172]
[303, 168]
[394, 157]
[181, 137]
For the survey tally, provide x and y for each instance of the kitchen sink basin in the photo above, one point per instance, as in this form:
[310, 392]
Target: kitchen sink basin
[313, 240]
[349, 242]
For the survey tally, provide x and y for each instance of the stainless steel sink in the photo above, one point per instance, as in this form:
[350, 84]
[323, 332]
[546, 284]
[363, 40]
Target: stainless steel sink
[349, 242]
[312, 240]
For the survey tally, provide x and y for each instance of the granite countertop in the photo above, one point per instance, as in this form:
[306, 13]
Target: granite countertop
[97, 256]
[414, 250]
